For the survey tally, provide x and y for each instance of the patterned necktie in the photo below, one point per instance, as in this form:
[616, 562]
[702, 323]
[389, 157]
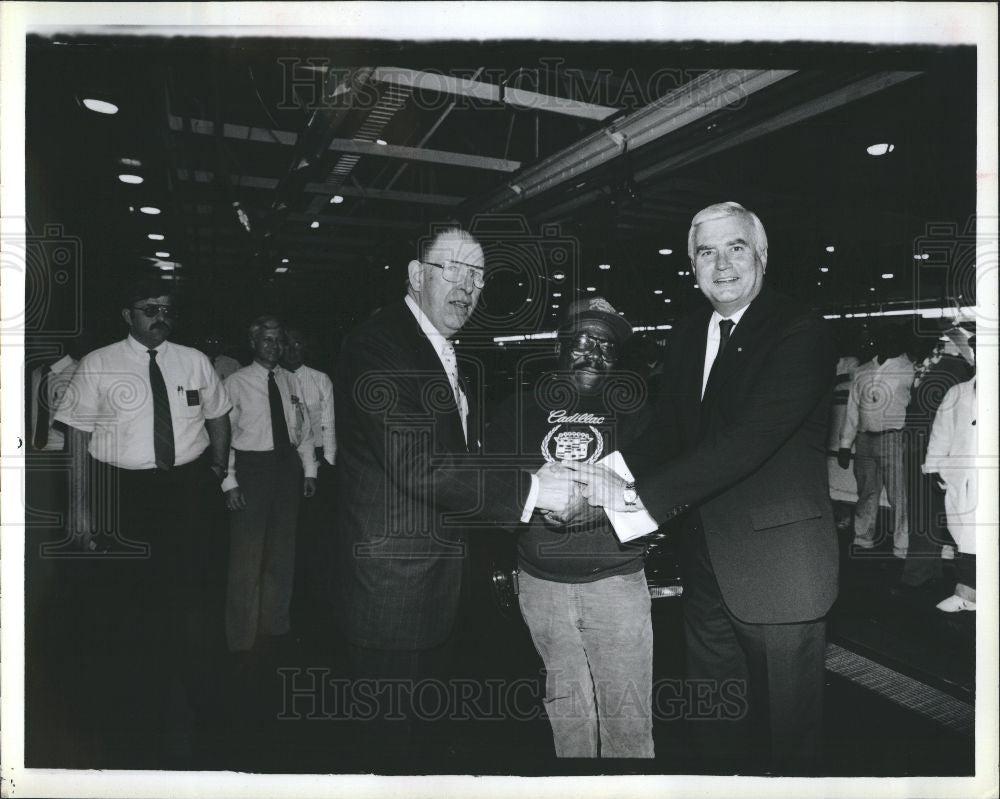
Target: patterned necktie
[42, 419]
[451, 368]
[279, 427]
[163, 426]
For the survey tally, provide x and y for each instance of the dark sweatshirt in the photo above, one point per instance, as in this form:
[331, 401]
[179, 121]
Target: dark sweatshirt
[553, 422]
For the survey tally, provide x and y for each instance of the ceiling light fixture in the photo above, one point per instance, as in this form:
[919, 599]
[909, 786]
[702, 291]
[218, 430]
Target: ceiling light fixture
[162, 254]
[152, 210]
[556, 293]
[887, 275]
[824, 269]
[154, 236]
[314, 224]
[336, 199]
[558, 275]
[130, 162]
[134, 179]
[666, 299]
[830, 248]
[591, 288]
[279, 270]
[880, 149]
[527, 299]
[100, 106]
[284, 260]
[666, 251]
[604, 267]
[657, 291]
[381, 142]
[386, 267]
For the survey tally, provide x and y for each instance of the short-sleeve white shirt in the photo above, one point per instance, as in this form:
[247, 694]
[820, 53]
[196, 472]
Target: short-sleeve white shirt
[110, 396]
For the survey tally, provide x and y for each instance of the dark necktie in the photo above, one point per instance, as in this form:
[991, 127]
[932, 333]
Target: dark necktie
[41, 437]
[163, 426]
[725, 328]
[279, 427]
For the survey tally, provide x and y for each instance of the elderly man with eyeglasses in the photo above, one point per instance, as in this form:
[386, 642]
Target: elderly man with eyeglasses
[583, 593]
[406, 473]
[148, 441]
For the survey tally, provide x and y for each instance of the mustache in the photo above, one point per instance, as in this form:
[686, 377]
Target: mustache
[163, 325]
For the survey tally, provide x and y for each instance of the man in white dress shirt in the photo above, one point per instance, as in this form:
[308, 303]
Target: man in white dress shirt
[148, 437]
[313, 547]
[272, 447]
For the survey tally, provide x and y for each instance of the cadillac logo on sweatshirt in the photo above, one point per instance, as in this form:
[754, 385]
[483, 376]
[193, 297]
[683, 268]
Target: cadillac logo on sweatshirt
[573, 437]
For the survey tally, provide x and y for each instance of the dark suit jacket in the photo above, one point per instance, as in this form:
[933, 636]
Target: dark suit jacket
[406, 486]
[750, 458]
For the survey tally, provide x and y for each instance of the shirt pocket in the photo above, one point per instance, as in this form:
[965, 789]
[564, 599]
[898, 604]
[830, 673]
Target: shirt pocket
[186, 401]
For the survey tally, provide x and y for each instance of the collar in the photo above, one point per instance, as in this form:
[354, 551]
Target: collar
[63, 363]
[716, 317]
[263, 370]
[440, 343]
[141, 349]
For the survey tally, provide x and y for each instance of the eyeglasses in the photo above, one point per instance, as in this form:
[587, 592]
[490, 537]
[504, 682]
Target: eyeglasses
[153, 310]
[584, 343]
[455, 270]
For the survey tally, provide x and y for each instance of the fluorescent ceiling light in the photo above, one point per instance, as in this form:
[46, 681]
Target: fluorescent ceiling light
[386, 267]
[336, 199]
[657, 291]
[604, 267]
[284, 260]
[591, 288]
[162, 254]
[314, 224]
[880, 149]
[555, 305]
[166, 267]
[152, 210]
[134, 179]
[100, 106]
[527, 299]
[130, 162]
[558, 275]
[887, 275]
[382, 142]
[556, 293]
[830, 248]
[154, 236]
[824, 269]
[666, 299]
[666, 251]
[281, 269]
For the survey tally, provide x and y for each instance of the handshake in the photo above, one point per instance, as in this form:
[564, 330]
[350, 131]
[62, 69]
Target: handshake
[571, 493]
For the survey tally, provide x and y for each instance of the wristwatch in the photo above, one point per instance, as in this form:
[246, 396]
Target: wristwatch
[629, 493]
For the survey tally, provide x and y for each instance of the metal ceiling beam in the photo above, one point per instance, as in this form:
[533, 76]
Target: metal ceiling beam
[799, 113]
[267, 136]
[706, 94]
[491, 92]
[256, 182]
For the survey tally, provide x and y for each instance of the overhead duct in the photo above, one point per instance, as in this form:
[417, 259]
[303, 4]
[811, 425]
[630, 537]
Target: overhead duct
[702, 96]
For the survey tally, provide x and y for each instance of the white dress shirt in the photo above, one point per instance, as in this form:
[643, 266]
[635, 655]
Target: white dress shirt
[110, 397]
[446, 354]
[317, 393]
[251, 417]
[712, 342]
[60, 374]
[878, 399]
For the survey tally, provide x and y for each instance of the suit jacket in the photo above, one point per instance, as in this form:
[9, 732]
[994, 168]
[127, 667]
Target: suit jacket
[750, 458]
[407, 485]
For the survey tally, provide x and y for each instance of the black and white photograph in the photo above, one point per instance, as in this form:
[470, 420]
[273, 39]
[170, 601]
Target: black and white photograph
[434, 399]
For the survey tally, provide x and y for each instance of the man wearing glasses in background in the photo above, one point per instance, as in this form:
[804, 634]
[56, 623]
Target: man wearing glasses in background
[404, 450]
[141, 414]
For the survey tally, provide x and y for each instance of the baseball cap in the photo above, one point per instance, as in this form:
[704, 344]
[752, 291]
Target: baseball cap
[601, 310]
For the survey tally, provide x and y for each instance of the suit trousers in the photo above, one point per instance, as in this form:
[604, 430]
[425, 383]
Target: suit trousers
[262, 547]
[880, 460]
[755, 691]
